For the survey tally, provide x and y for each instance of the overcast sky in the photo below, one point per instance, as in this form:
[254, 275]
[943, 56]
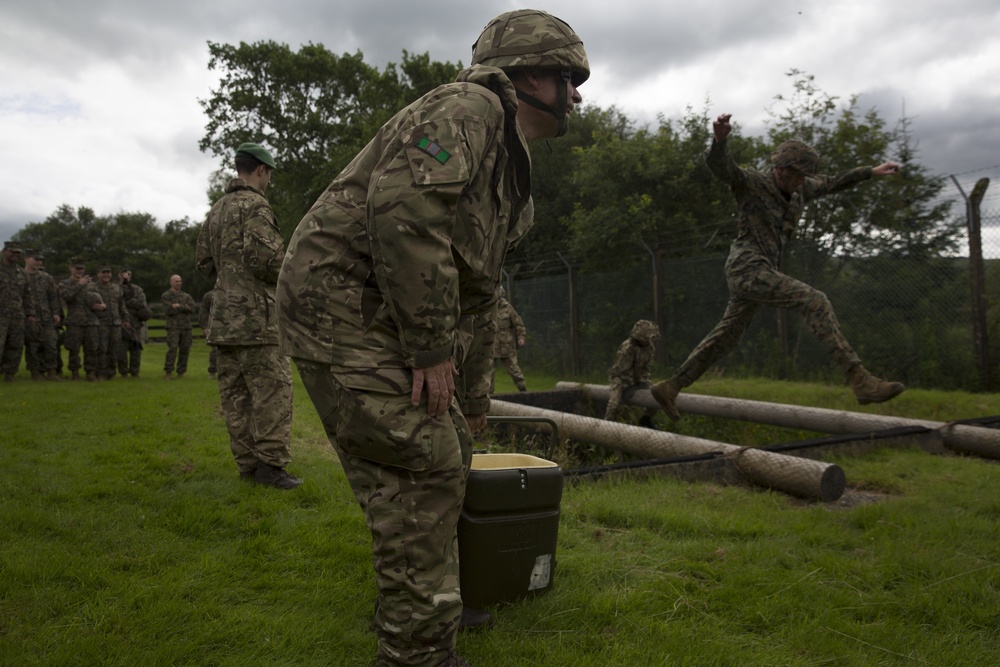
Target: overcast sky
[99, 99]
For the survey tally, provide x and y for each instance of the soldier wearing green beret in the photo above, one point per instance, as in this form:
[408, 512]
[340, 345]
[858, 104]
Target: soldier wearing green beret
[240, 251]
[41, 345]
[388, 294]
[771, 204]
[16, 308]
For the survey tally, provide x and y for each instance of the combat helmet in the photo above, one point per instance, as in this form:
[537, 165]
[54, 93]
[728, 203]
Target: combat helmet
[644, 331]
[797, 155]
[528, 38]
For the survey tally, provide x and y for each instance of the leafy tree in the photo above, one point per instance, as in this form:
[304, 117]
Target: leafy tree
[313, 109]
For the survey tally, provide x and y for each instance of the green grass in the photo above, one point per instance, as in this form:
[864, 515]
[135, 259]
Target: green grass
[127, 539]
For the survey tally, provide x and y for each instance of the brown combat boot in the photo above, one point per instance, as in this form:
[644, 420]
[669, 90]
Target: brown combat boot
[74, 375]
[870, 389]
[168, 376]
[8, 377]
[665, 393]
[37, 375]
[91, 376]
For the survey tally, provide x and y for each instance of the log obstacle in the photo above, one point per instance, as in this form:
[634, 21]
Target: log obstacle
[984, 442]
[797, 476]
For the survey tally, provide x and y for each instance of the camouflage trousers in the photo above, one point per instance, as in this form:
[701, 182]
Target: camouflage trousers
[408, 473]
[255, 387]
[617, 389]
[510, 363]
[213, 359]
[86, 337]
[767, 287]
[108, 346]
[41, 349]
[11, 341]
[129, 355]
[178, 347]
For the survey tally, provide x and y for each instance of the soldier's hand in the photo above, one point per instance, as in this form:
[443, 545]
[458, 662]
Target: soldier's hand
[439, 381]
[886, 169]
[721, 126]
[476, 422]
[521, 342]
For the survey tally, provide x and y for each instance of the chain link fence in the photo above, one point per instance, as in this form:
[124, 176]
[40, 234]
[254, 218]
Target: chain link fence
[908, 320]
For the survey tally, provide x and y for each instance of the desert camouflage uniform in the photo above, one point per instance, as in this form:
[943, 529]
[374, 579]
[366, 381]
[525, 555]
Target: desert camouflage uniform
[240, 249]
[81, 324]
[41, 346]
[204, 317]
[110, 329]
[134, 334]
[179, 307]
[632, 364]
[397, 267]
[510, 329]
[767, 221]
[15, 302]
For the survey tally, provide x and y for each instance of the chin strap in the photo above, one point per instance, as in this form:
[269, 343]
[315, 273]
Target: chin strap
[559, 111]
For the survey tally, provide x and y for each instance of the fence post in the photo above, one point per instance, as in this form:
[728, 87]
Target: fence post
[574, 334]
[661, 353]
[980, 337]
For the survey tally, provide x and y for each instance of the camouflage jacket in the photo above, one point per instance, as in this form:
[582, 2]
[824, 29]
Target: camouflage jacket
[45, 294]
[510, 327]
[80, 299]
[633, 363]
[179, 309]
[767, 219]
[240, 249]
[135, 300]
[15, 297]
[115, 302]
[397, 265]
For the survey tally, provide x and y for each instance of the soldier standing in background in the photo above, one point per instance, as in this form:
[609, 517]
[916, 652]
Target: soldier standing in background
[771, 204]
[240, 251]
[41, 347]
[133, 325]
[110, 329]
[511, 335]
[82, 305]
[204, 319]
[389, 291]
[632, 366]
[15, 304]
[178, 307]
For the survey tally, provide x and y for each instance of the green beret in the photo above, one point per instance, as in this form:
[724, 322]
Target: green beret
[257, 152]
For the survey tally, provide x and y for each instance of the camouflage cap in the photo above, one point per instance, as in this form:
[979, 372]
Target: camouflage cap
[13, 246]
[257, 152]
[104, 267]
[37, 254]
[77, 263]
[797, 155]
[531, 38]
[123, 269]
[644, 330]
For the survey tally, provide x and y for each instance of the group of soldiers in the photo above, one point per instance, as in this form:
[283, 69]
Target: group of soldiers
[101, 323]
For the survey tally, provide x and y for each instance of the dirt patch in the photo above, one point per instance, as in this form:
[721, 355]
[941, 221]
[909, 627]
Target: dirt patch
[857, 497]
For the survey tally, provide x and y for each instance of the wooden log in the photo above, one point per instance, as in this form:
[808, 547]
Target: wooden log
[800, 477]
[984, 442]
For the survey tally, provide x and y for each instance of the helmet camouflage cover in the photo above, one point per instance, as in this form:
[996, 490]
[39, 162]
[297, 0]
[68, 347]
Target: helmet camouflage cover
[532, 38]
[797, 155]
[644, 330]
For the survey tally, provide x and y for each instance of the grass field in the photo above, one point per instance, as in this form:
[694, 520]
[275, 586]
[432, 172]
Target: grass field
[127, 539]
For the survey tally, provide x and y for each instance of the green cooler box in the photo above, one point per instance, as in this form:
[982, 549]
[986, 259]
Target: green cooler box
[508, 528]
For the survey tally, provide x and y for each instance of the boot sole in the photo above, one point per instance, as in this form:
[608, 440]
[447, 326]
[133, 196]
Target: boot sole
[869, 401]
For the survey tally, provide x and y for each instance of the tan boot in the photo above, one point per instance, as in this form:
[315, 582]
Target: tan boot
[37, 375]
[74, 375]
[870, 389]
[665, 393]
[168, 376]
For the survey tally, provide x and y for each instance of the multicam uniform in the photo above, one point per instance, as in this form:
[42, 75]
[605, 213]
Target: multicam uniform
[632, 364]
[240, 249]
[204, 318]
[510, 329]
[767, 220]
[41, 348]
[134, 334]
[397, 267]
[15, 301]
[109, 331]
[179, 307]
[81, 325]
